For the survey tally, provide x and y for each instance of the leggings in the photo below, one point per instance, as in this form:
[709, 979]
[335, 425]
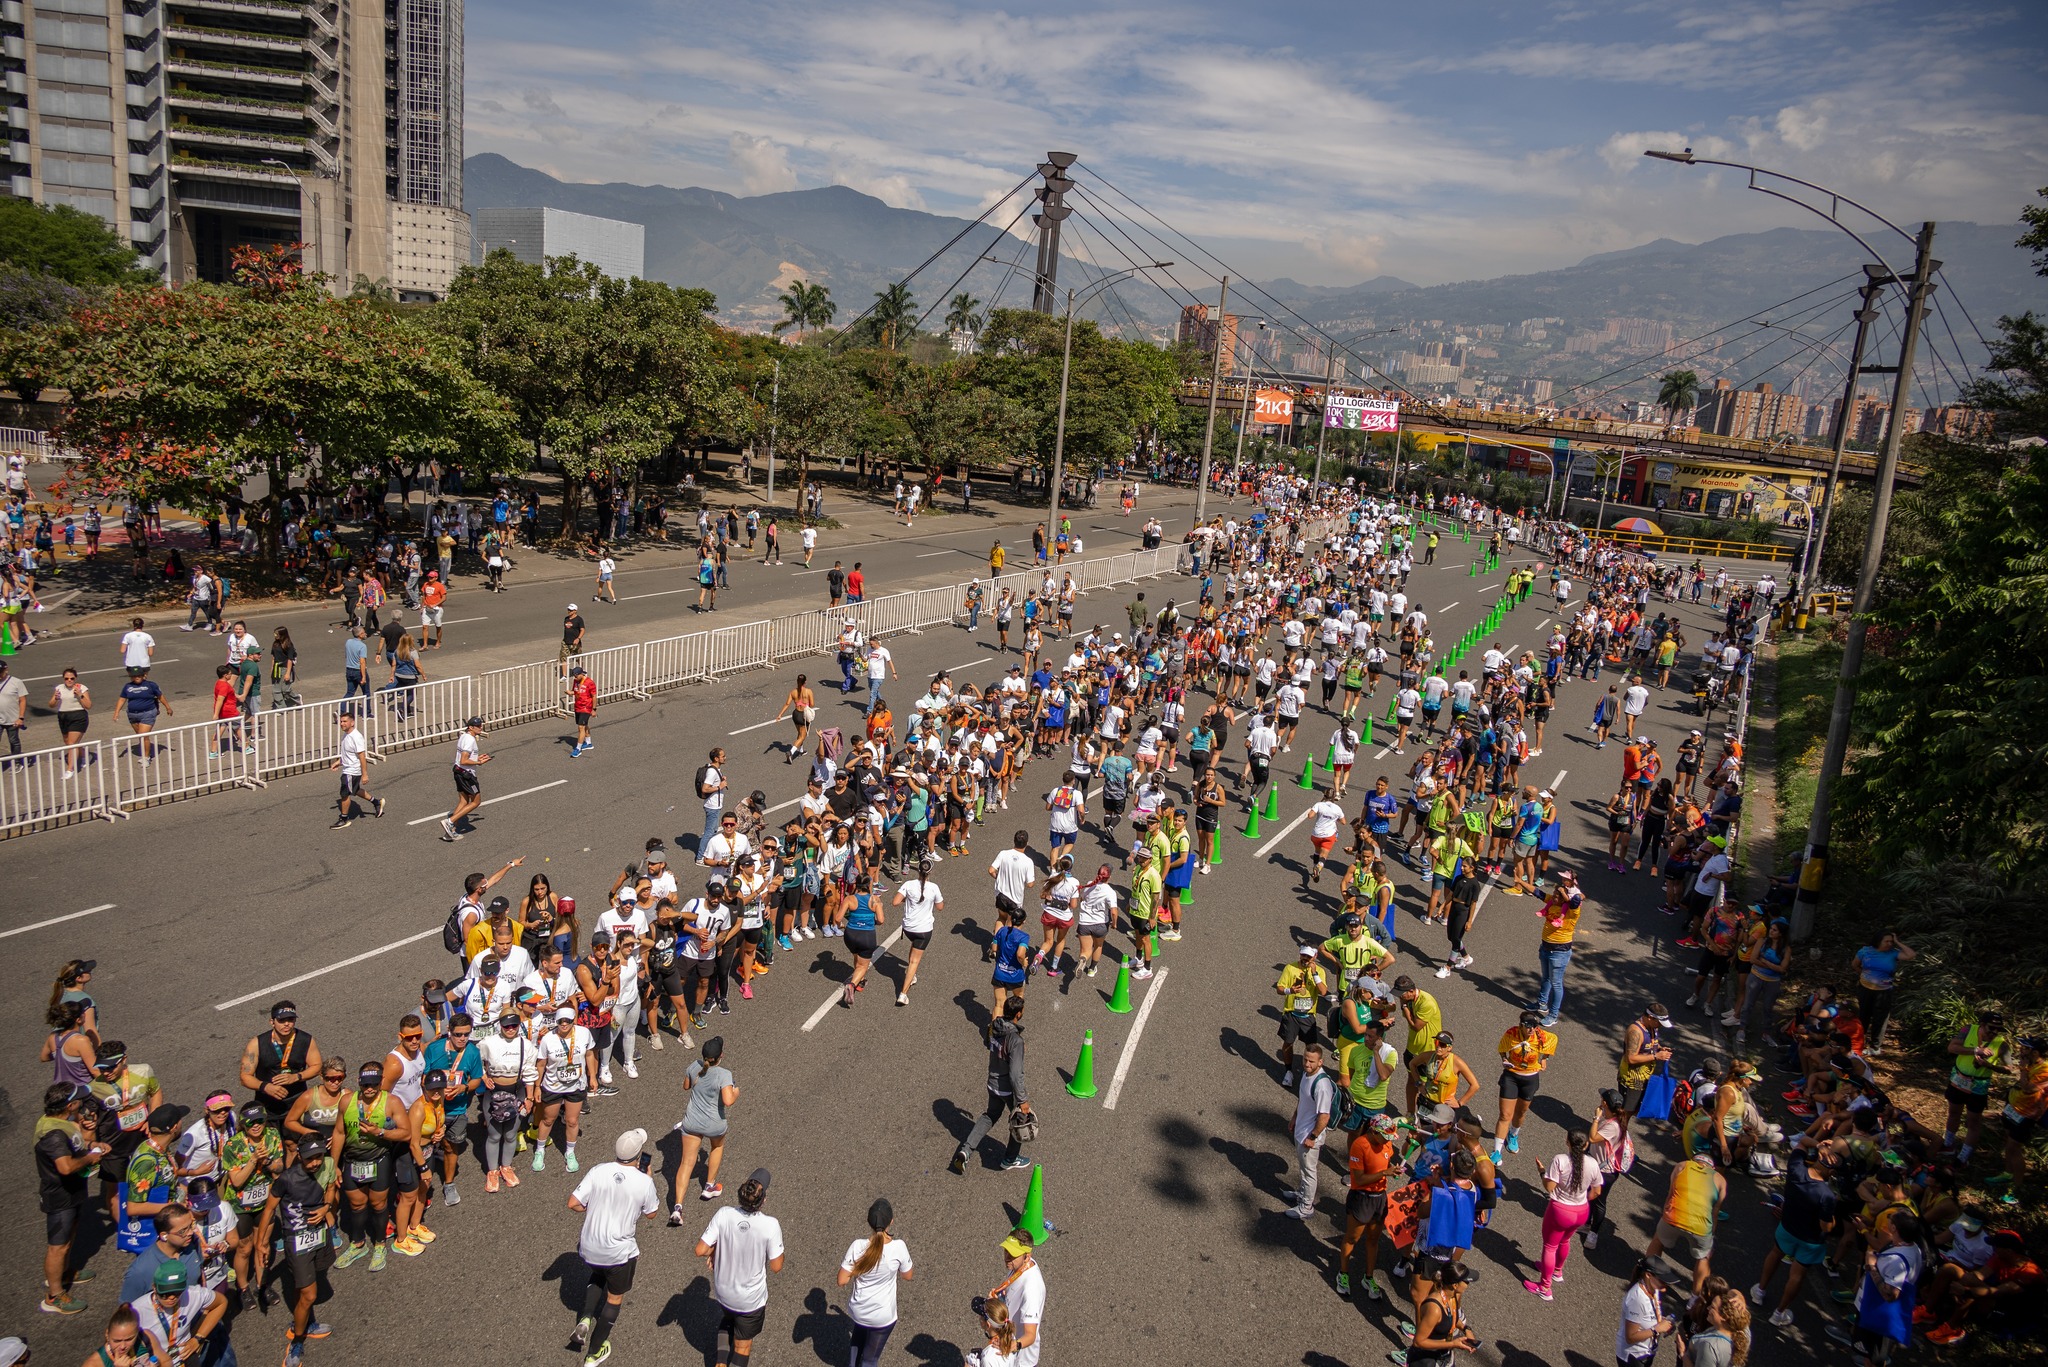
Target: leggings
[501, 1141]
[1460, 917]
[1559, 1223]
[625, 1023]
[997, 1104]
[1759, 997]
[1876, 1009]
[1652, 836]
[866, 1348]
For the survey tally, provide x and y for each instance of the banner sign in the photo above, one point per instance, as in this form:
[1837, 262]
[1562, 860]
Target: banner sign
[1274, 407]
[1358, 413]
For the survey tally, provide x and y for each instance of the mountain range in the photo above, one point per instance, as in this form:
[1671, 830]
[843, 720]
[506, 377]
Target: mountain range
[746, 249]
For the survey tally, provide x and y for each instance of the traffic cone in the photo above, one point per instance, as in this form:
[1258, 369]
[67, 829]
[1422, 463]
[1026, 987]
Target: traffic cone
[1366, 737]
[1120, 995]
[1330, 756]
[1032, 1221]
[1251, 822]
[1308, 775]
[1083, 1084]
[1273, 802]
[6, 641]
[1215, 849]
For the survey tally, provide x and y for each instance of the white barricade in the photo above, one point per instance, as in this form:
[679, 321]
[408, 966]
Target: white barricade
[405, 718]
[619, 670]
[183, 761]
[674, 661]
[290, 740]
[935, 607]
[806, 633]
[38, 791]
[522, 693]
[738, 648]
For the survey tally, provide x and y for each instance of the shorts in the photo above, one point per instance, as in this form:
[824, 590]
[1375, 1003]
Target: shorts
[366, 1174]
[1800, 1251]
[861, 942]
[1057, 839]
[1208, 819]
[1712, 965]
[60, 1226]
[307, 1267]
[1299, 1028]
[466, 782]
[454, 1132]
[583, 719]
[750, 935]
[1519, 1086]
[1052, 922]
[1695, 1247]
[920, 939]
[743, 1325]
[2019, 1129]
[430, 617]
[613, 1280]
[73, 723]
[351, 785]
[563, 655]
[405, 1173]
[668, 982]
[1323, 844]
[1366, 1208]
[1259, 770]
[1973, 1102]
[1097, 929]
[246, 1222]
[1004, 902]
[574, 1098]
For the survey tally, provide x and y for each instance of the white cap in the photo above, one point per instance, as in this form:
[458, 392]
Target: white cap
[626, 1148]
[572, 607]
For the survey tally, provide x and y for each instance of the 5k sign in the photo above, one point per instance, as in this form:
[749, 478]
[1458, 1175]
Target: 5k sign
[1274, 407]
[1361, 414]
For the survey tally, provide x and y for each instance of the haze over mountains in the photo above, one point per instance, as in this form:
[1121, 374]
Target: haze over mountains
[747, 248]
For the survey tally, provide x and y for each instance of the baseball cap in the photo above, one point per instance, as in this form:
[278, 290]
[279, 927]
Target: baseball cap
[1440, 1114]
[1307, 951]
[1016, 1247]
[572, 607]
[658, 855]
[577, 672]
[436, 1077]
[1656, 1012]
[626, 1147]
[474, 721]
[166, 1118]
[312, 1148]
[565, 1013]
[1384, 1123]
[170, 1276]
[760, 1177]
[370, 1072]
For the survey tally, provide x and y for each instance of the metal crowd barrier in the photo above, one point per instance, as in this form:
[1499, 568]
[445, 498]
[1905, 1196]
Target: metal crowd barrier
[36, 790]
[126, 772]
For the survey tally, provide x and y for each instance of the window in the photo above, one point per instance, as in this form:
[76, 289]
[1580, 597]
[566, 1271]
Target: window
[73, 6]
[73, 104]
[101, 205]
[59, 138]
[98, 175]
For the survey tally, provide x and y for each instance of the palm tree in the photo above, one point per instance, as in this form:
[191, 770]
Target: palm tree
[893, 311]
[1679, 392]
[961, 316]
[805, 306]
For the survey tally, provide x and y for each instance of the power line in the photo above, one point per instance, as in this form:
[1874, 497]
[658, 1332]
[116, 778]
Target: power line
[948, 246]
[946, 294]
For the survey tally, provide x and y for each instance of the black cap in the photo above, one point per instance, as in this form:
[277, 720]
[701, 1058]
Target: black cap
[252, 1113]
[881, 1214]
[436, 1077]
[312, 1148]
[370, 1072]
[759, 1177]
[166, 1118]
[501, 904]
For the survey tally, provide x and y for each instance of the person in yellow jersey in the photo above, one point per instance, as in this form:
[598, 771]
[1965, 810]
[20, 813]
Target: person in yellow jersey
[1525, 1051]
[1691, 1206]
[1301, 987]
[414, 1176]
[1560, 912]
[1147, 889]
[1440, 1077]
[1353, 953]
[1979, 1052]
[1424, 1018]
[1447, 853]
[2025, 1105]
[1366, 1066]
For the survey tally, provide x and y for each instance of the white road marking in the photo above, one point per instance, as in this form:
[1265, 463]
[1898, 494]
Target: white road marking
[970, 664]
[1287, 830]
[458, 621]
[929, 554]
[1448, 606]
[756, 726]
[57, 920]
[1558, 782]
[323, 972]
[1123, 1065]
[657, 593]
[112, 669]
[833, 1000]
[539, 788]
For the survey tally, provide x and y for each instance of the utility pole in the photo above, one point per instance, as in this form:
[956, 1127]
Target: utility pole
[1209, 429]
[1875, 281]
[1052, 212]
[774, 409]
[1323, 429]
[1244, 420]
[1813, 873]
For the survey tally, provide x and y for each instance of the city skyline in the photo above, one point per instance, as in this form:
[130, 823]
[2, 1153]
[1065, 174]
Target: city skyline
[1460, 141]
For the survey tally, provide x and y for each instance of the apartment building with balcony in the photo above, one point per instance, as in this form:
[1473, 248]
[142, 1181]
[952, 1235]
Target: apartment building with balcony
[200, 126]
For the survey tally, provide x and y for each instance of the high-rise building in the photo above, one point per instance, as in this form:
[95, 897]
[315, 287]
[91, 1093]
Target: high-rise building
[1954, 420]
[616, 247]
[1758, 414]
[1197, 328]
[198, 126]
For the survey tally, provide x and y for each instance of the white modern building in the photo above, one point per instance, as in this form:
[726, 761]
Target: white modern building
[618, 248]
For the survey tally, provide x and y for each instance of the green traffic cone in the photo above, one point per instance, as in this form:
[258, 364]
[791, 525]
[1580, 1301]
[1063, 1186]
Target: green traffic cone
[1215, 853]
[1366, 738]
[1083, 1084]
[1251, 822]
[1032, 1221]
[1308, 775]
[1120, 995]
[1330, 756]
[1273, 802]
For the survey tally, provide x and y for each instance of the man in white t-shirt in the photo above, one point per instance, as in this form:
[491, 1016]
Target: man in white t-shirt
[1014, 874]
[1288, 703]
[711, 785]
[744, 1246]
[1023, 1290]
[1634, 699]
[349, 761]
[613, 1198]
[724, 849]
[138, 648]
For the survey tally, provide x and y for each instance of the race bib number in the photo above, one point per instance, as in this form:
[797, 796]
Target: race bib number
[255, 1194]
[362, 1169]
[308, 1240]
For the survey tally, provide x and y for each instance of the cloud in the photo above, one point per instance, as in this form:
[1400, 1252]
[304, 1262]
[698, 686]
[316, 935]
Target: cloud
[762, 165]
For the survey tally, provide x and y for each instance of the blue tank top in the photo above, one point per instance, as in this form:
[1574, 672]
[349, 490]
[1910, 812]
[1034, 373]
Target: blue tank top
[1452, 1209]
[862, 916]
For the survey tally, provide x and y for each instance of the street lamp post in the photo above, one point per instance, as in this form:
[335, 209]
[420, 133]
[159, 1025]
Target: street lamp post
[319, 257]
[1919, 289]
[1059, 440]
[774, 412]
[1244, 420]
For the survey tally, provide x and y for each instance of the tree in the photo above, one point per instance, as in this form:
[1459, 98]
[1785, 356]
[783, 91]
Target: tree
[893, 313]
[29, 301]
[608, 373]
[78, 248]
[1679, 391]
[192, 394]
[806, 306]
[961, 315]
[2014, 387]
[2035, 238]
[819, 405]
[1119, 393]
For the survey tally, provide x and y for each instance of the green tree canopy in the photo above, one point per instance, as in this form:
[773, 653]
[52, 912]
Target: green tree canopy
[77, 248]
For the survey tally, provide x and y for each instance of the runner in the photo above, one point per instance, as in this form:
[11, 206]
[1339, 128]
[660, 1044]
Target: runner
[469, 760]
[612, 1198]
[873, 1266]
[742, 1246]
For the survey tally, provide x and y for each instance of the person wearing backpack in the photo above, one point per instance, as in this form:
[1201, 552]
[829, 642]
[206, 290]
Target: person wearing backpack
[710, 784]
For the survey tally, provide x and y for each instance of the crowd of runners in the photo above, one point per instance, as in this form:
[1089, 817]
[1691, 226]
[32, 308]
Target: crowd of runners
[1295, 634]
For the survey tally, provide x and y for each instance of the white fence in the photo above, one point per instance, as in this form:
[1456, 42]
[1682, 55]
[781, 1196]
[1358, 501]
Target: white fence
[116, 776]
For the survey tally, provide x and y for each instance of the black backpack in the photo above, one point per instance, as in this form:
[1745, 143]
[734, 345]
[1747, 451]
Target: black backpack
[697, 783]
[452, 931]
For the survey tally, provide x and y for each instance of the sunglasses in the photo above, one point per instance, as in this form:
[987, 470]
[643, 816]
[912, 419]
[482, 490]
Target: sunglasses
[458, 1034]
[408, 1039]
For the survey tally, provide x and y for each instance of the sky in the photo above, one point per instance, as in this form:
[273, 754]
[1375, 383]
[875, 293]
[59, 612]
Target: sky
[1329, 142]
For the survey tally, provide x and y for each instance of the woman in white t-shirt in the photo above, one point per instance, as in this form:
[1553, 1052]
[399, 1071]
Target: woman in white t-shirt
[872, 1265]
[1058, 901]
[1095, 917]
[1573, 1179]
[921, 901]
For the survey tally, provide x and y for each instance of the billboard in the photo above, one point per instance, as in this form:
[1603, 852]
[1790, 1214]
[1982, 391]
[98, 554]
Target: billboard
[1362, 414]
[1274, 407]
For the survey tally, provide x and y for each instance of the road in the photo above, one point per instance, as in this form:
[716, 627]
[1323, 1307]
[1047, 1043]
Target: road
[1172, 1247]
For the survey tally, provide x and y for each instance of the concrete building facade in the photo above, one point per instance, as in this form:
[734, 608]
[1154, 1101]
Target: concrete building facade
[532, 234]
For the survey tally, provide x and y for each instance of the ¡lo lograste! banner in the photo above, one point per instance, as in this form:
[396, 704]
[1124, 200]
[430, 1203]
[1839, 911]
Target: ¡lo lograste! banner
[1359, 413]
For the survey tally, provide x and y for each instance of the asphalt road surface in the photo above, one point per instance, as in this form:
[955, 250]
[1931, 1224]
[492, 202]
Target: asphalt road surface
[1166, 1189]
